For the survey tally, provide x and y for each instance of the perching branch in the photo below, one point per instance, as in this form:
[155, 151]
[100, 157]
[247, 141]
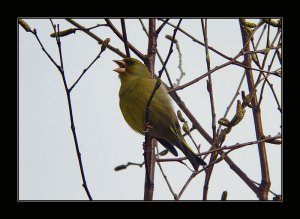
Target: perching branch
[149, 143]
[148, 150]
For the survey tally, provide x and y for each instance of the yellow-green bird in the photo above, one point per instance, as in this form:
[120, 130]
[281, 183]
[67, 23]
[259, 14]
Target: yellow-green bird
[136, 88]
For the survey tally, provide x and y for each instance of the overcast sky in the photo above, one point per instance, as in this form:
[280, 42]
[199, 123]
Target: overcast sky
[48, 165]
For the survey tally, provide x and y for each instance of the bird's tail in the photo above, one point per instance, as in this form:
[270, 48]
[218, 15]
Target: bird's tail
[191, 156]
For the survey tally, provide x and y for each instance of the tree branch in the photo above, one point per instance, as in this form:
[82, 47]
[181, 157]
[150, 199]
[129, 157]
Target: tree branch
[161, 26]
[100, 41]
[133, 49]
[265, 183]
[230, 147]
[210, 91]
[149, 155]
[84, 184]
[159, 56]
[170, 50]
[165, 177]
[125, 37]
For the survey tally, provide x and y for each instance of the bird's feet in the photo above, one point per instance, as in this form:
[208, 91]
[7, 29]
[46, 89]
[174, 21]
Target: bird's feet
[147, 127]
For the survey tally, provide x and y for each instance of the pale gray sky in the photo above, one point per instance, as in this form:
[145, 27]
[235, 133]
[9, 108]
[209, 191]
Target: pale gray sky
[48, 166]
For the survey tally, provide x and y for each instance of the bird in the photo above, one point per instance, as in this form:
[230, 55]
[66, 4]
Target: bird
[135, 90]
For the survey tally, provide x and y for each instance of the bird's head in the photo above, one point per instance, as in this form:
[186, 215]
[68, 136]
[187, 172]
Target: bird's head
[131, 67]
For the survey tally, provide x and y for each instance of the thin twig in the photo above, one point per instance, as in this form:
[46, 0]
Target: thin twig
[84, 184]
[73, 30]
[133, 49]
[125, 37]
[210, 91]
[161, 27]
[170, 50]
[165, 176]
[203, 169]
[85, 70]
[34, 32]
[257, 43]
[186, 184]
[191, 117]
[182, 73]
[225, 157]
[209, 84]
[232, 101]
[202, 76]
[231, 148]
[266, 79]
[158, 54]
[231, 61]
[100, 41]
[262, 51]
[197, 41]
[278, 52]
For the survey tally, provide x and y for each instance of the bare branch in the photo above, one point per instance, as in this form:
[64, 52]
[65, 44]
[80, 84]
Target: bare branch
[231, 148]
[125, 37]
[84, 184]
[149, 143]
[161, 26]
[133, 49]
[100, 41]
[212, 106]
[170, 50]
[165, 177]
[159, 56]
[202, 76]
[265, 183]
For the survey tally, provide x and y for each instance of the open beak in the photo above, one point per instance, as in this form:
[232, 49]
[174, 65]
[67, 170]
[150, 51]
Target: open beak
[121, 65]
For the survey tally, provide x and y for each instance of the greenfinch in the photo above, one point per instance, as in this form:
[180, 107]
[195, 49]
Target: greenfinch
[136, 88]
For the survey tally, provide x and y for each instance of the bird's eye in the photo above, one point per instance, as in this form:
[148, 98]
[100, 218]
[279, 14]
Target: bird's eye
[129, 62]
